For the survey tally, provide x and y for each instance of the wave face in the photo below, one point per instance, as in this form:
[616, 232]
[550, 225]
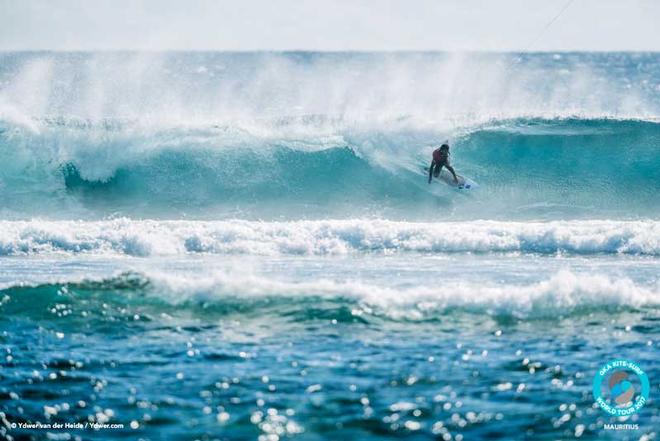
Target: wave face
[311, 135]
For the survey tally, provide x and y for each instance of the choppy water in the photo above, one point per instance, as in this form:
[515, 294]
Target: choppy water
[235, 246]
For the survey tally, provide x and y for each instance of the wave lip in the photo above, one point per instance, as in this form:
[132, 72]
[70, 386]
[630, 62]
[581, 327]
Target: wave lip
[327, 237]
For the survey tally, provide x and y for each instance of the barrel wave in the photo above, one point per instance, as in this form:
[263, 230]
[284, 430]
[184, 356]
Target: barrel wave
[526, 167]
[307, 135]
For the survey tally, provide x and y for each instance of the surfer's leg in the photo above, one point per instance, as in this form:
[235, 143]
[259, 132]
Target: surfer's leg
[437, 169]
[451, 169]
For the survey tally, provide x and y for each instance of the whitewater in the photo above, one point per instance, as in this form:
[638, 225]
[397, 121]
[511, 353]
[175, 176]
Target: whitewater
[256, 231]
[330, 237]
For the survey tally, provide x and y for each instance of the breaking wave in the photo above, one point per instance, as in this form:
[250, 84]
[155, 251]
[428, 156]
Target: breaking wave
[269, 136]
[526, 168]
[565, 293]
[327, 237]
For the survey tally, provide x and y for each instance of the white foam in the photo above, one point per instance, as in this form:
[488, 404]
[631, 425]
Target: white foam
[326, 237]
[563, 293]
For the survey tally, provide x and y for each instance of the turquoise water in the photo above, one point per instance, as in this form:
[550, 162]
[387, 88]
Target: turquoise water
[243, 246]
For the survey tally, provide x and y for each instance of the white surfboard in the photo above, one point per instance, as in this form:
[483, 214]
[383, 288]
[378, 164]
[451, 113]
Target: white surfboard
[446, 177]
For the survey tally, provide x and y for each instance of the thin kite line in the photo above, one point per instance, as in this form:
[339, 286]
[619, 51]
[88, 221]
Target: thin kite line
[547, 26]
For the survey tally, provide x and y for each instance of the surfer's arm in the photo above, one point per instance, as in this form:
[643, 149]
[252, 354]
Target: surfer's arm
[431, 171]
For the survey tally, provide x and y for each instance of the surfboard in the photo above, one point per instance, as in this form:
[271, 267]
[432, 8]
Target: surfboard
[445, 177]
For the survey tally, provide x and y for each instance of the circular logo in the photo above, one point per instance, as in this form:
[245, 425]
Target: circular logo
[621, 388]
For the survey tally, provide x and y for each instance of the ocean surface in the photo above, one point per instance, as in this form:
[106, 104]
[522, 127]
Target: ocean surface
[245, 246]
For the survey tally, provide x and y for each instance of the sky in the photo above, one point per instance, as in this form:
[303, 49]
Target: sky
[330, 25]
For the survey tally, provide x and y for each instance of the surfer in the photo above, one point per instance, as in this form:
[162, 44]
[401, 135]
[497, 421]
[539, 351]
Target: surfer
[440, 159]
